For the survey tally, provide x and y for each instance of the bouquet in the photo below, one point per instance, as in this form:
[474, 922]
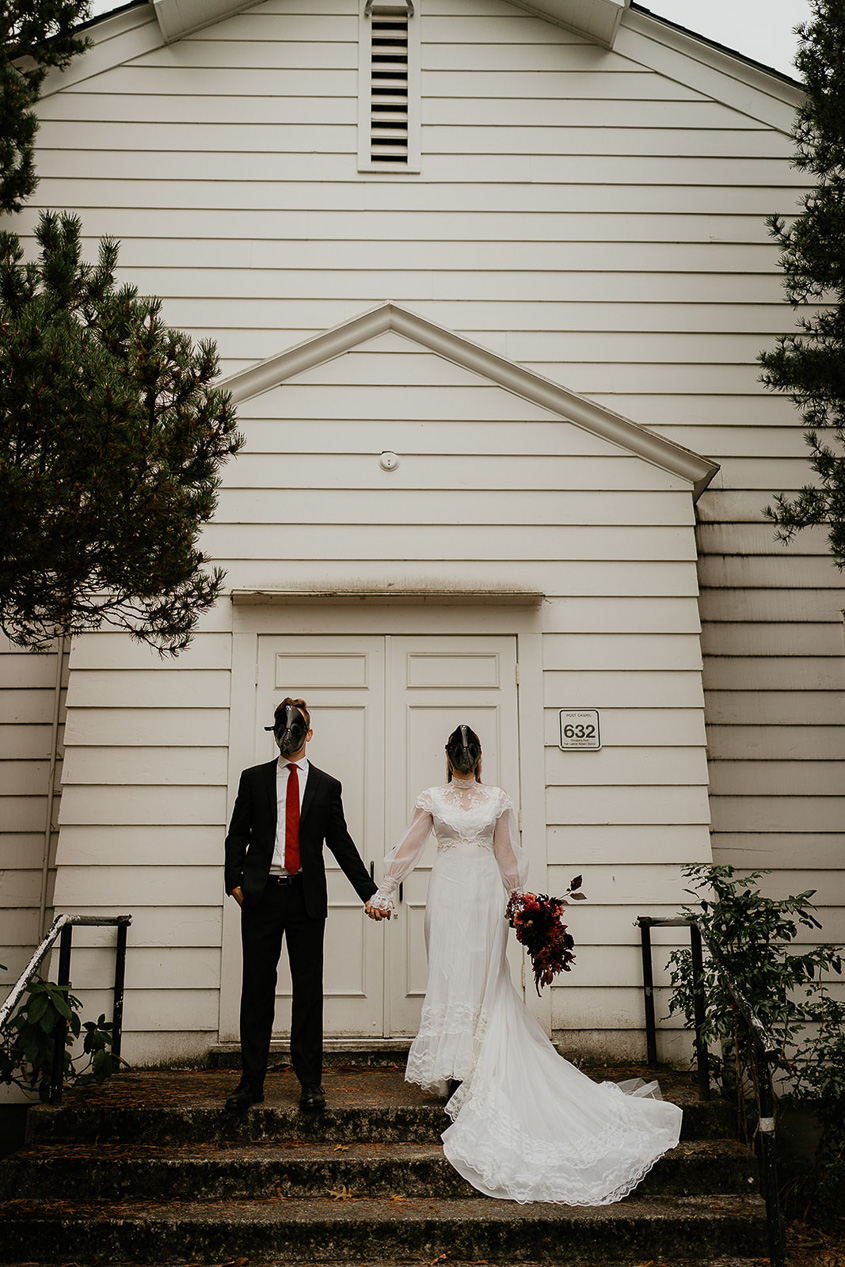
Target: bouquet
[538, 921]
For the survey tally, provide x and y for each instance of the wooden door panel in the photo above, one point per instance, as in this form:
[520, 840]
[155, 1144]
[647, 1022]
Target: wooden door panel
[434, 685]
[342, 681]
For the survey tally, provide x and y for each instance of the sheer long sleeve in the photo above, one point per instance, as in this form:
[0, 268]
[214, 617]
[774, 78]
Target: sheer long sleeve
[508, 852]
[403, 858]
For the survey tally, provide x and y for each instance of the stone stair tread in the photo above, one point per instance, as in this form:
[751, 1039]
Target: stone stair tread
[302, 1168]
[209, 1151]
[342, 1208]
[108, 1152]
[152, 1104]
[427, 1261]
[426, 1229]
[163, 1164]
[345, 1086]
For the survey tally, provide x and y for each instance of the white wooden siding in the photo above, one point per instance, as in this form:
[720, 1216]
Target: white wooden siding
[460, 510]
[143, 810]
[30, 708]
[614, 525]
[596, 216]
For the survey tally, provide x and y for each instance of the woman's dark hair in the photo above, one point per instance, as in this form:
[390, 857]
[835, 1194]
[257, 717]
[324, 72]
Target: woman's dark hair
[463, 753]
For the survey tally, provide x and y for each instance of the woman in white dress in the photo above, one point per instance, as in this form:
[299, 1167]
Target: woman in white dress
[526, 1124]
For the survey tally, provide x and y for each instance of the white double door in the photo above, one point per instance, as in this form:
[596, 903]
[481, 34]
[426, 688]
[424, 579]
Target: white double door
[381, 710]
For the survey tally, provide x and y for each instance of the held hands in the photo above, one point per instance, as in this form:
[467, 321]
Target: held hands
[376, 912]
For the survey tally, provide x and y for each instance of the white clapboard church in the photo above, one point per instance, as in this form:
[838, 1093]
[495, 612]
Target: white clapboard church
[488, 281]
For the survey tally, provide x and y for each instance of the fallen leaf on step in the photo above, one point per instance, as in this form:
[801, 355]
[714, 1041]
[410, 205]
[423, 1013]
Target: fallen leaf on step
[340, 1194]
[396, 1196]
[341, 1148]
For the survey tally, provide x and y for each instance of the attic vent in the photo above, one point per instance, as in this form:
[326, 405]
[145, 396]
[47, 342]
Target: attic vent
[389, 86]
[390, 90]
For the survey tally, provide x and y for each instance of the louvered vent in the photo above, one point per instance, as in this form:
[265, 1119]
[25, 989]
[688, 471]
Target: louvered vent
[389, 84]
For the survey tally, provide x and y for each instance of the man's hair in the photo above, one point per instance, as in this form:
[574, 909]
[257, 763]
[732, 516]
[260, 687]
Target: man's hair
[297, 703]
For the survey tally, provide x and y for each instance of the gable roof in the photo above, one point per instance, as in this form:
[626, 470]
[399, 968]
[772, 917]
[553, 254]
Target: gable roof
[179, 17]
[602, 422]
[628, 28]
[709, 42]
[596, 19]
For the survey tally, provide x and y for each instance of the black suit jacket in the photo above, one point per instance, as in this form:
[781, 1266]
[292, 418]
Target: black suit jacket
[252, 836]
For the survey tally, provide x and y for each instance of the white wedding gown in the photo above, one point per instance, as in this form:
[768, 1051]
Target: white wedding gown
[526, 1124]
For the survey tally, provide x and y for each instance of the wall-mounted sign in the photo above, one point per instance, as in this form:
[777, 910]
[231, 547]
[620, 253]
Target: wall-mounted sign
[579, 729]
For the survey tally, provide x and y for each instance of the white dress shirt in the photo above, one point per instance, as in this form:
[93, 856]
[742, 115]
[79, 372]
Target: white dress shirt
[277, 865]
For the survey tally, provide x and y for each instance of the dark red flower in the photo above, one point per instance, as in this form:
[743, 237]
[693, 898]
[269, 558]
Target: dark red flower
[538, 922]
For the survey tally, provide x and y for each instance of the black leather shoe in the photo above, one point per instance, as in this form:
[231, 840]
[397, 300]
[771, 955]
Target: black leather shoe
[312, 1098]
[243, 1096]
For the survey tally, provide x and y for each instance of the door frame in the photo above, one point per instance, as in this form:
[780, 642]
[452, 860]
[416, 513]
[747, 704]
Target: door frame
[516, 616]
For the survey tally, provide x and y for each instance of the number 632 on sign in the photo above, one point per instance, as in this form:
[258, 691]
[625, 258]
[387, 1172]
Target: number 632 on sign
[579, 729]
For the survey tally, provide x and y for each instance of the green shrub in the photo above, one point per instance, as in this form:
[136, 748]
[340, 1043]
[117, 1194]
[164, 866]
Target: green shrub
[28, 1043]
[786, 986]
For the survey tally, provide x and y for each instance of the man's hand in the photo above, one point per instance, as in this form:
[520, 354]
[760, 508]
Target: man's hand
[238, 895]
[376, 913]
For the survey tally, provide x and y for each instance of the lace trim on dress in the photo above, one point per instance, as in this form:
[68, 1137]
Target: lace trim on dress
[490, 1141]
[480, 842]
[465, 809]
[447, 1044]
[381, 899]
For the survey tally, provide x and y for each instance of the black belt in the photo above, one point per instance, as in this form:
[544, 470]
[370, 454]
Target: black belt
[285, 879]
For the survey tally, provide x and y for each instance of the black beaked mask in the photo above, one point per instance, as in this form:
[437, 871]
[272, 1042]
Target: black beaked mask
[290, 729]
[463, 749]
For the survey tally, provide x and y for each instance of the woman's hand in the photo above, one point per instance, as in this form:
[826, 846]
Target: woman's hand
[376, 912]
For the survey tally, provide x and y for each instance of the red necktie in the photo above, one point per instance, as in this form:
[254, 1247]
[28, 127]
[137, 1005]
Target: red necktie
[292, 822]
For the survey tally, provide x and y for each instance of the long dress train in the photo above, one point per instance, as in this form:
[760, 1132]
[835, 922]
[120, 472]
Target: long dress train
[526, 1124]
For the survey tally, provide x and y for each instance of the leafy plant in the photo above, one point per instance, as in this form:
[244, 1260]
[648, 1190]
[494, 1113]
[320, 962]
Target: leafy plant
[27, 1047]
[817, 1189]
[34, 36]
[785, 985]
[807, 364]
[111, 442]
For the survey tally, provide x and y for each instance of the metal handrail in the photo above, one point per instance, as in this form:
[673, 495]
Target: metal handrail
[766, 1051]
[62, 928]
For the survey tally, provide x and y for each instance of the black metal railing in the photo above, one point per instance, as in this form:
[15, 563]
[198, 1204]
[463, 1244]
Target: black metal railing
[765, 1048]
[62, 928]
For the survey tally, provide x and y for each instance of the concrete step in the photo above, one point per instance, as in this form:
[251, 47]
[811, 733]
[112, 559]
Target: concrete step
[151, 1168]
[371, 1053]
[562, 1259]
[364, 1104]
[340, 1228]
[298, 1169]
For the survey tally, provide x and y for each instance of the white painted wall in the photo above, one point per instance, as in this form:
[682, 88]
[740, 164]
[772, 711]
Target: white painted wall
[597, 216]
[491, 492]
[32, 716]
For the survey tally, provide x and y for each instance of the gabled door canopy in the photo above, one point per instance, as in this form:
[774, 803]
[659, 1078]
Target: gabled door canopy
[514, 378]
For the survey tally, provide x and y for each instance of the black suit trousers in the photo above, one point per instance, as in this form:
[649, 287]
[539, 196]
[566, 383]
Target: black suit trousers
[280, 914]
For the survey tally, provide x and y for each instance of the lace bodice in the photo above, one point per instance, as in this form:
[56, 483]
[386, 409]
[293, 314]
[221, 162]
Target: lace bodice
[462, 813]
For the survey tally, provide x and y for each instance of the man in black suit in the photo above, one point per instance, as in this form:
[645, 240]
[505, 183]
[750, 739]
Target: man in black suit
[285, 811]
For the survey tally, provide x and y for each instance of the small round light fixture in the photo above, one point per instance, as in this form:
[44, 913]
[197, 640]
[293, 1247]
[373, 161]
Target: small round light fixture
[388, 461]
